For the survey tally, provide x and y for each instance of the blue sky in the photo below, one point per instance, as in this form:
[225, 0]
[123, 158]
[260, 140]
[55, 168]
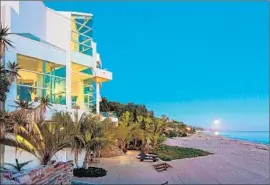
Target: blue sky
[192, 61]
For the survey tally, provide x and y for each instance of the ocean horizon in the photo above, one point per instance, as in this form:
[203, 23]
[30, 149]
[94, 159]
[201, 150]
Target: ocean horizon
[260, 137]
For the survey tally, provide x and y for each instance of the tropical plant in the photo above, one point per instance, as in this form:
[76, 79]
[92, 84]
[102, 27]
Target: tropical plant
[18, 166]
[45, 139]
[4, 85]
[97, 134]
[124, 129]
[44, 104]
[4, 41]
[13, 71]
[159, 126]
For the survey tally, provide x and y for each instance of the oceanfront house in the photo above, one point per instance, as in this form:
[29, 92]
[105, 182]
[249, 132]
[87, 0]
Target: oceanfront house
[57, 55]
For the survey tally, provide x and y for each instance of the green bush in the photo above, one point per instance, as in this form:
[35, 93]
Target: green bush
[172, 133]
[183, 135]
[164, 157]
[161, 139]
[90, 172]
[166, 153]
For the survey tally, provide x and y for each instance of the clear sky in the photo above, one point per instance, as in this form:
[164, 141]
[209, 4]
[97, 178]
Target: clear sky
[193, 61]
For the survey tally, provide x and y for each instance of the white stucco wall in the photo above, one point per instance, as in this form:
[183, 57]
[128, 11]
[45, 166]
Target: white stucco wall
[80, 58]
[63, 155]
[58, 32]
[31, 18]
[58, 29]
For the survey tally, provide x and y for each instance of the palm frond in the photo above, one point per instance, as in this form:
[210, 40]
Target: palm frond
[4, 33]
[25, 163]
[11, 165]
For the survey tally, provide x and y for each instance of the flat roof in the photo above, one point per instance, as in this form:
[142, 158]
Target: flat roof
[77, 13]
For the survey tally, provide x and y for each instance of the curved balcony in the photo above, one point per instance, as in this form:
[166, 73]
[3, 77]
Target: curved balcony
[102, 75]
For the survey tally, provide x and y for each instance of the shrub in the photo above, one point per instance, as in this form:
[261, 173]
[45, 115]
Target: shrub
[183, 135]
[172, 133]
[164, 157]
[90, 172]
[161, 139]
[167, 153]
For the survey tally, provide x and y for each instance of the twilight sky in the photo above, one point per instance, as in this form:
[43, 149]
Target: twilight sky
[193, 61]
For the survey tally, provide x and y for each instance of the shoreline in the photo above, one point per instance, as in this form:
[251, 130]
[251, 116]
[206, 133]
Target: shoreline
[241, 141]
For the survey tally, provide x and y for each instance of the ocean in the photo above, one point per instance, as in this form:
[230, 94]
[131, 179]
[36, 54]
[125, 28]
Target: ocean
[261, 137]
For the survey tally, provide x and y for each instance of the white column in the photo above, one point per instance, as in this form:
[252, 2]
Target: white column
[94, 46]
[97, 97]
[68, 80]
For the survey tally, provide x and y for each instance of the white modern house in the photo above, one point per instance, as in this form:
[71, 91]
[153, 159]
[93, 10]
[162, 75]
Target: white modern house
[58, 58]
[57, 54]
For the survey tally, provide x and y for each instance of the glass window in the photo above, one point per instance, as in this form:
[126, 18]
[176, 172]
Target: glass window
[30, 79]
[26, 93]
[39, 79]
[82, 86]
[81, 34]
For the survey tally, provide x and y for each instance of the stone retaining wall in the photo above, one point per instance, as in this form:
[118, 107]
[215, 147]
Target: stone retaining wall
[57, 173]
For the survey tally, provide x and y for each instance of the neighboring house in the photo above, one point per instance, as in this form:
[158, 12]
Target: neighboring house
[57, 54]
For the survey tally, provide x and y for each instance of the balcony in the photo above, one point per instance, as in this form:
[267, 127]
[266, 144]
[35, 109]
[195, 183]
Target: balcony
[82, 59]
[102, 75]
[30, 45]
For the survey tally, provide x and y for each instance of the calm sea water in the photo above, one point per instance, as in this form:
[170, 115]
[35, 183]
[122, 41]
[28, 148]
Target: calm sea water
[251, 136]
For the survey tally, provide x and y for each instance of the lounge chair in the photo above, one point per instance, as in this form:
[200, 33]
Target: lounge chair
[142, 156]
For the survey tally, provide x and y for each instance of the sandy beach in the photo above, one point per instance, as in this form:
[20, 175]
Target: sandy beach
[233, 162]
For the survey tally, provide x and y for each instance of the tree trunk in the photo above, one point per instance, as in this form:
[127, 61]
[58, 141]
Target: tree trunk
[135, 144]
[2, 108]
[99, 152]
[86, 160]
[76, 153]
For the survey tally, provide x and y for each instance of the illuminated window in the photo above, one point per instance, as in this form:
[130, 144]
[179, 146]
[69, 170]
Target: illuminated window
[39, 79]
[81, 86]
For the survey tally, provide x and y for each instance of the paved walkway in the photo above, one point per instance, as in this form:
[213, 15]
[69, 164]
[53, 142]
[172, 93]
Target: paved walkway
[233, 163]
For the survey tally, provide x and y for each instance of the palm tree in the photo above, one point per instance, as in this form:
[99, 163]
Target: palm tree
[24, 110]
[44, 104]
[124, 129]
[4, 85]
[4, 41]
[45, 139]
[97, 134]
[13, 71]
[89, 128]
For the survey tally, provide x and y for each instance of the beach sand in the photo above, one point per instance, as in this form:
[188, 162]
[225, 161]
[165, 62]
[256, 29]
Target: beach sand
[233, 162]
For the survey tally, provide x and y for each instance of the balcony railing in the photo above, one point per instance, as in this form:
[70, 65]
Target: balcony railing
[109, 114]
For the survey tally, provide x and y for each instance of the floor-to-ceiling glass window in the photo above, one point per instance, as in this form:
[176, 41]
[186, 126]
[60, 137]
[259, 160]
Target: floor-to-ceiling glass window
[82, 90]
[40, 78]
